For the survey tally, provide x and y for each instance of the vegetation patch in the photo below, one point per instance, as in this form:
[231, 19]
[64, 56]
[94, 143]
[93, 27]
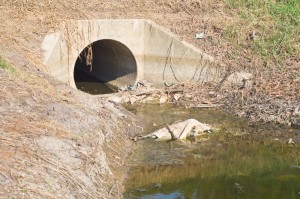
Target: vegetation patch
[6, 66]
[3, 64]
[272, 27]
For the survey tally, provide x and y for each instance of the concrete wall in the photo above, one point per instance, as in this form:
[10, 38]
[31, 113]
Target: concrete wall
[159, 55]
[168, 59]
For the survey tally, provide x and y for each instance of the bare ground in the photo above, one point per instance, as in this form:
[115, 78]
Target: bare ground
[59, 143]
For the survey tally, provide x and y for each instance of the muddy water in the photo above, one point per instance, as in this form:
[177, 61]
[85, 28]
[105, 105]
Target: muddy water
[92, 85]
[94, 88]
[238, 160]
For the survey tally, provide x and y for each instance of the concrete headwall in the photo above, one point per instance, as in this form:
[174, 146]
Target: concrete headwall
[168, 59]
[122, 52]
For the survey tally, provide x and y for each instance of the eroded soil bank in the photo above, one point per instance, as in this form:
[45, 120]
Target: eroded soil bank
[57, 142]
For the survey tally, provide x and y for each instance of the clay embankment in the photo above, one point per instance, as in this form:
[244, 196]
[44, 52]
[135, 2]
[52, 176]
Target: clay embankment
[57, 142]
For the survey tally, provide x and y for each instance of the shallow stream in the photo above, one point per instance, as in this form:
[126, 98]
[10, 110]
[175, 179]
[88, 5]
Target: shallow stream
[238, 160]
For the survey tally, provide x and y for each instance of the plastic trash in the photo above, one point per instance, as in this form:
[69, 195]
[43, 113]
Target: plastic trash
[200, 35]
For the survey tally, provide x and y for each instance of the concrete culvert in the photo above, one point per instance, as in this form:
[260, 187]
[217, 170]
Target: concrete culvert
[104, 66]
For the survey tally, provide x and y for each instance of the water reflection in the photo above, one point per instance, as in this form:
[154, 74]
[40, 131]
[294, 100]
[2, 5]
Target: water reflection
[239, 161]
[94, 88]
[173, 195]
[91, 85]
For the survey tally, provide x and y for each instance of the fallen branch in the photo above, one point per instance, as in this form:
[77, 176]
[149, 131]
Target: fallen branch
[206, 106]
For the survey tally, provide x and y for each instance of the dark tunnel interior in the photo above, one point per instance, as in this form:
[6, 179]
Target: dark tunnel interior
[104, 66]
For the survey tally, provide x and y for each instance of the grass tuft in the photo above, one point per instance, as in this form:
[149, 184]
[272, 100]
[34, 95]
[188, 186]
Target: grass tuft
[3, 64]
[6, 66]
[277, 25]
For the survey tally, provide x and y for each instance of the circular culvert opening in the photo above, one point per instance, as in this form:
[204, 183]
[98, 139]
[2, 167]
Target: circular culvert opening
[105, 66]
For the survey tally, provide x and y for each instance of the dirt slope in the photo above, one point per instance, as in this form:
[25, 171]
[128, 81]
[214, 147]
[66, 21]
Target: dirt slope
[59, 143]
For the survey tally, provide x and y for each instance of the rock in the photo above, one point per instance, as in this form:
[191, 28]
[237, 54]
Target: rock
[133, 100]
[200, 35]
[163, 99]
[157, 185]
[239, 188]
[147, 99]
[295, 119]
[126, 99]
[4, 179]
[241, 79]
[211, 94]
[177, 97]
[115, 99]
[180, 130]
[141, 190]
[188, 96]
[254, 35]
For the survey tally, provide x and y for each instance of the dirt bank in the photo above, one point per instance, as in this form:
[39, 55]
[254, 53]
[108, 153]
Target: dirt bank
[57, 142]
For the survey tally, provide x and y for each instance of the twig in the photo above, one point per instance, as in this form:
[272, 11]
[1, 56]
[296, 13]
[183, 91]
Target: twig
[112, 189]
[171, 132]
[206, 106]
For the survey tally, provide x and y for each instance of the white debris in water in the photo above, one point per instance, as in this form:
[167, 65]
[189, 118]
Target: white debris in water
[181, 129]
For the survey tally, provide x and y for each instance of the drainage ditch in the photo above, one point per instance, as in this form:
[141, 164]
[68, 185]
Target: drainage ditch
[236, 160]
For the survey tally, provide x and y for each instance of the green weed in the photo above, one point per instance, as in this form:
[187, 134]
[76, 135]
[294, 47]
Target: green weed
[79, 136]
[24, 190]
[6, 66]
[3, 64]
[49, 185]
[278, 25]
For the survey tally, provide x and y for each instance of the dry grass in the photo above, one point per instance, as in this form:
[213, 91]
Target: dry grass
[226, 24]
[29, 170]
